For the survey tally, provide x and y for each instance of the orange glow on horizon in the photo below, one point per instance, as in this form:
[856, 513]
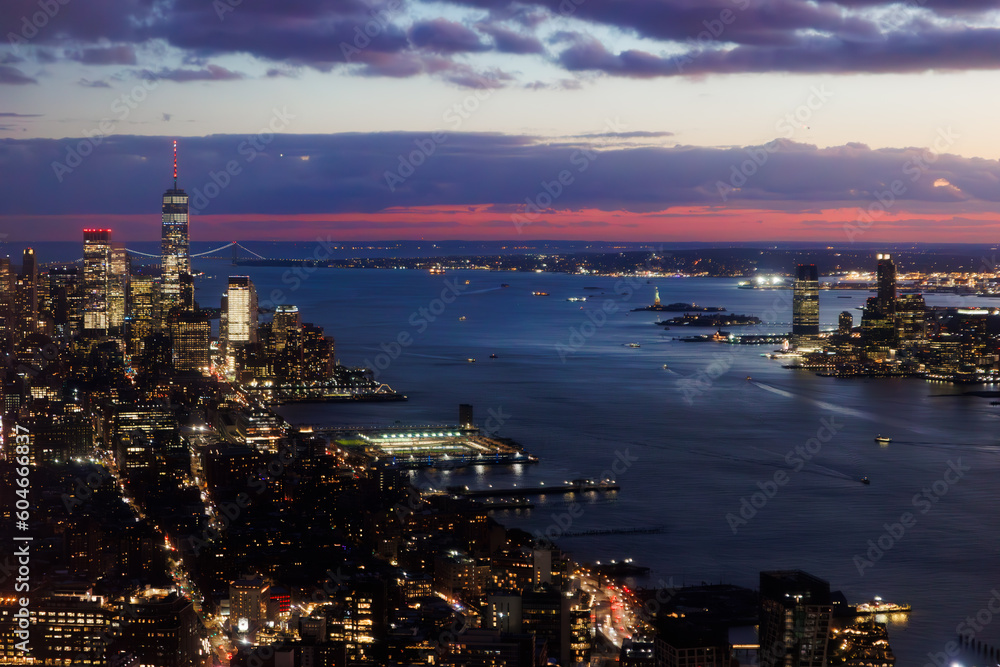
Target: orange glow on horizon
[511, 223]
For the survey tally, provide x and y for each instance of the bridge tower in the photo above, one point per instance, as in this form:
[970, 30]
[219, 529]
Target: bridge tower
[236, 252]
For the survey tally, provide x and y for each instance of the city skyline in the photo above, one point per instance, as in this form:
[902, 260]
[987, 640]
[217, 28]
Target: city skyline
[554, 333]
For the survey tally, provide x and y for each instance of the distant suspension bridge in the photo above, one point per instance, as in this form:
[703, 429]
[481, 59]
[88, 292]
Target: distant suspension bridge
[235, 245]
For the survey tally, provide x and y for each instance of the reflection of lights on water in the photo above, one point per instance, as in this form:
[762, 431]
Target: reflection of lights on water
[893, 619]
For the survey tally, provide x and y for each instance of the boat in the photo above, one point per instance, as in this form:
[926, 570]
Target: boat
[665, 367]
[865, 480]
[471, 360]
[493, 356]
[634, 345]
[877, 606]
[462, 318]
[540, 293]
[882, 440]
[504, 285]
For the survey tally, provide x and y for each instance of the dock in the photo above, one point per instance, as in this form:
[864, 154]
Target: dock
[576, 486]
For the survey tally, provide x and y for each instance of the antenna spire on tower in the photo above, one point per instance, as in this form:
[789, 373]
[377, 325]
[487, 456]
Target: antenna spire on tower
[175, 164]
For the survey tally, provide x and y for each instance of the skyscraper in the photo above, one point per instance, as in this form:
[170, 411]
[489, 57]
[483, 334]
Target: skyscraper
[7, 284]
[286, 337]
[64, 300]
[878, 321]
[318, 357]
[96, 273]
[119, 270]
[795, 616]
[845, 323]
[241, 311]
[286, 327]
[190, 333]
[886, 276]
[911, 319]
[141, 319]
[174, 242]
[805, 302]
[28, 293]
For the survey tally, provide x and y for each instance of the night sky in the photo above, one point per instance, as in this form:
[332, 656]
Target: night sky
[658, 120]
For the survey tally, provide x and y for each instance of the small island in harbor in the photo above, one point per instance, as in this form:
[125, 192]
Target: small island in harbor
[714, 320]
[678, 307]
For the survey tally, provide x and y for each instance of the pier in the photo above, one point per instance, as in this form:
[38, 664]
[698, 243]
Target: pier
[576, 486]
[418, 447]
[979, 647]
[652, 530]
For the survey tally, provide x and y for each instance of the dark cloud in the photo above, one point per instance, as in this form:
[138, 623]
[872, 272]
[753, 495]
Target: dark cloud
[376, 38]
[13, 76]
[510, 41]
[360, 173]
[86, 83]
[443, 36]
[11, 114]
[942, 50]
[122, 54]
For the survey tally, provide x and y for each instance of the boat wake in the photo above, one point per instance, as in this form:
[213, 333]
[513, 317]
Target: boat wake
[952, 446]
[896, 424]
[771, 460]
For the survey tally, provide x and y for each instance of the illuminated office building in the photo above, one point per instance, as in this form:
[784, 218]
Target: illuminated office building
[142, 304]
[190, 333]
[174, 244]
[805, 302]
[886, 278]
[241, 311]
[27, 293]
[7, 284]
[911, 319]
[65, 294]
[119, 269]
[96, 274]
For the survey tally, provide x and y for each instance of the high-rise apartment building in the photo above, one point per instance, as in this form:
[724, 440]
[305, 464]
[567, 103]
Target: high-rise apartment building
[845, 323]
[286, 327]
